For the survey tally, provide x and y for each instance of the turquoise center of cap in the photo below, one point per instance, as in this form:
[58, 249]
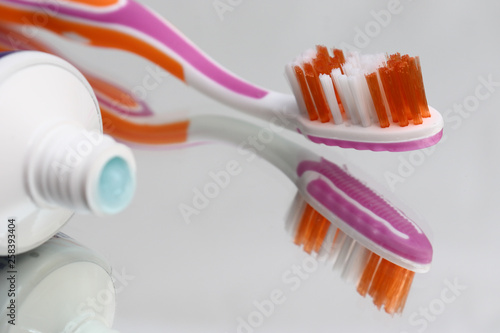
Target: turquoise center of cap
[116, 186]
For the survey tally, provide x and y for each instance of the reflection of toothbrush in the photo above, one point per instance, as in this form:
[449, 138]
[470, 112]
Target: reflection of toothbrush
[336, 216]
[349, 121]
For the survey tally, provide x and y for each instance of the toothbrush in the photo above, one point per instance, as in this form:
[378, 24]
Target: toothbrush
[351, 102]
[334, 216]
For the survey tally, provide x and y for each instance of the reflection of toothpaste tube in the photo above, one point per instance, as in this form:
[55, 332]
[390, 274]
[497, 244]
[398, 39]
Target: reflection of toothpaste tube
[59, 287]
[56, 160]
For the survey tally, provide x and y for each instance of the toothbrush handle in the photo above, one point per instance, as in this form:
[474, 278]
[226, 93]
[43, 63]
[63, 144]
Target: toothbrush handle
[130, 26]
[115, 102]
[120, 110]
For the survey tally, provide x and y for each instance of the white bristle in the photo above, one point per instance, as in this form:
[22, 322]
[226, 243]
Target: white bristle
[308, 55]
[364, 61]
[337, 246]
[349, 68]
[344, 90]
[327, 84]
[366, 98]
[294, 84]
[375, 61]
[326, 250]
[352, 61]
[344, 251]
[294, 214]
[368, 63]
[335, 72]
[356, 263]
[362, 97]
[352, 80]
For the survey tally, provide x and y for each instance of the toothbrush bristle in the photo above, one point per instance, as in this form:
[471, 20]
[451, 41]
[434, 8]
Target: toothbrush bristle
[387, 283]
[363, 89]
[378, 101]
[309, 103]
[318, 95]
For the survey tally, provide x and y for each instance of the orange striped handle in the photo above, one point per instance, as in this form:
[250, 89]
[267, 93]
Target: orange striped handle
[112, 99]
[148, 134]
[95, 34]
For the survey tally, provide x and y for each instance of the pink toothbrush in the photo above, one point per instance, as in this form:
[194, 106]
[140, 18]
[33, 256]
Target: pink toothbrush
[350, 120]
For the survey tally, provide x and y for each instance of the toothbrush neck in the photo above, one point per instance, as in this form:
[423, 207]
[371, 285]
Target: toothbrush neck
[274, 105]
[250, 140]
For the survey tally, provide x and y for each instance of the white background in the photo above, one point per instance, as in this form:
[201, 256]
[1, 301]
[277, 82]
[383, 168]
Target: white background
[201, 277]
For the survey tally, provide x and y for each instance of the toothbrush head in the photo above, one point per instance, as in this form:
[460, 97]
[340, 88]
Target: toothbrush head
[367, 102]
[343, 222]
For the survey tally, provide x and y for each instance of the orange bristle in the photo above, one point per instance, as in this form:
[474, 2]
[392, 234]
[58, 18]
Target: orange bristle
[387, 283]
[391, 90]
[376, 94]
[401, 75]
[393, 59]
[320, 236]
[311, 230]
[323, 63]
[312, 233]
[395, 87]
[336, 62]
[304, 222]
[411, 98]
[339, 54]
[366, 278]
[325, 115]
[408, 76]
[418, 86]
[308, 229]
[400, 70]
[339, 102]
[317, 235]
[301, 79]
[390, 285]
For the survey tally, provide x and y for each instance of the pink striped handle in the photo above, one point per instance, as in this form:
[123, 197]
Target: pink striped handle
[130, 26]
